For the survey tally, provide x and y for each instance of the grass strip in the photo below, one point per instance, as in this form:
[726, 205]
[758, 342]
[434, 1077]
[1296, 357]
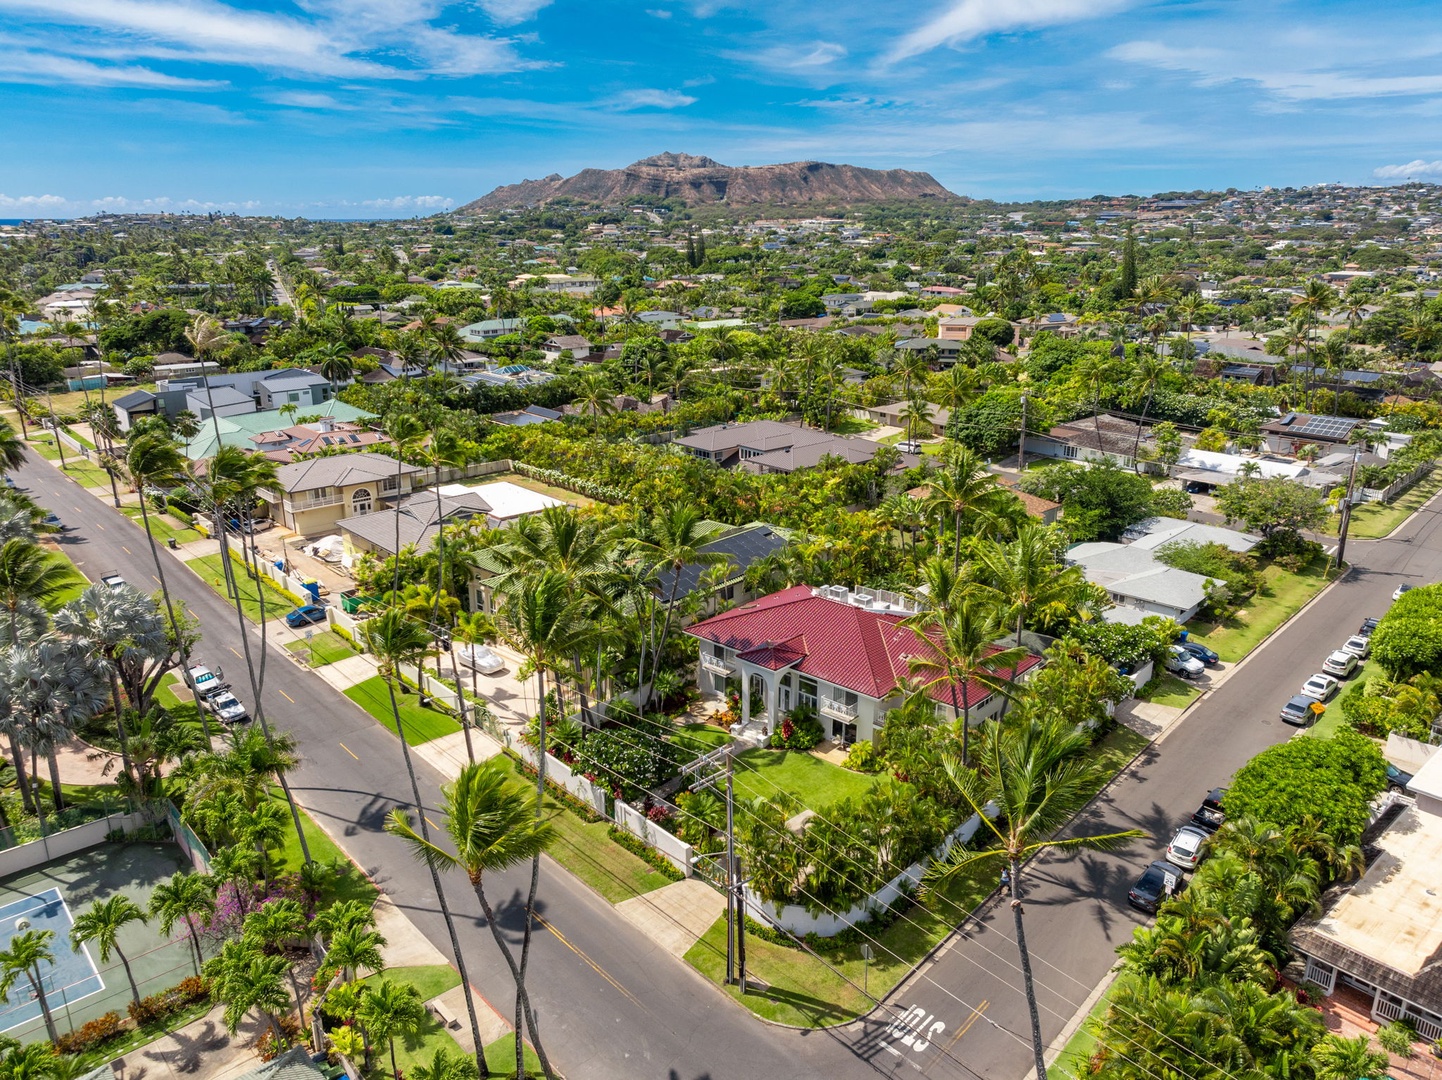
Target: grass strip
[422, 724]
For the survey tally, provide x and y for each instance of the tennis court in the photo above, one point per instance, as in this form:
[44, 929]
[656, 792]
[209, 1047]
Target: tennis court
[78, 987]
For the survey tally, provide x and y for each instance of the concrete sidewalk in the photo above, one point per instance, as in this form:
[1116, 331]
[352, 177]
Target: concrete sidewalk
[676, 916]
[447, 755]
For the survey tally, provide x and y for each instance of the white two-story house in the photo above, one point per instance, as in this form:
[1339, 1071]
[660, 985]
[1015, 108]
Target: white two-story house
[837, 651]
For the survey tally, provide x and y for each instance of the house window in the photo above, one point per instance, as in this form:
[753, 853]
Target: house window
[1069, 451]
[806, 694]
[360, 501]
[728, 592]
[292, 398]
[389, 485]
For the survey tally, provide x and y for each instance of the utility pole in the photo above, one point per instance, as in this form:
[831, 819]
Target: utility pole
[1021, 449]
[15, 396]
[735, 886]
[1347, 508]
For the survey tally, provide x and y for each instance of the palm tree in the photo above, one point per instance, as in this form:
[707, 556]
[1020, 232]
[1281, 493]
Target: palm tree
[29, 577]
[244, 978]
[1146, 376]
[35, 1061]
[12, 447]
[1095, 371]
[273, 927]
[28, 950]
[235, 866]
[493, 826]
[352, 948]
[102, 923]
[961, 653]
[962, 489]
[336, 364]
[1338, 1058]
[185, 426]
[595, 397]
[445, 1065]
[389, 1009]
[1038, 776]
[154, 459]
[396, 640]
[184, 898]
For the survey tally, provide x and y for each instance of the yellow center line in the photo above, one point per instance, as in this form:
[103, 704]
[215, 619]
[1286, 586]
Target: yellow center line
[100, 526]
[286, 696]
[589, 962]
[126, 550]
[975, 1016]
[232, 649]
[155, 579]
[349, 751]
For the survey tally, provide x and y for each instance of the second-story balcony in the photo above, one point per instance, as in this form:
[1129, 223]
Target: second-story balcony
[839, 709]
[716, 665]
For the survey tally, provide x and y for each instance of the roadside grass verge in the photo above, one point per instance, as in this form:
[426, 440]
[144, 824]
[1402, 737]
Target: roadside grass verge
[75, 467]
[1372, 521]
[501, 1059]
[422, 724]
[324, 647]
[1332, 720]
[810, 991]
[1083, 1042]
[1167, 689]
[348, 884]
[1281, 596]
[586, 849]
[162, 526]
[212, 570]
[418, 1047]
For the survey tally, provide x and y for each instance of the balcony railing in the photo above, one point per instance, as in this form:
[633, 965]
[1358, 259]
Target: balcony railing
[312, 503]
[838, 709]
[716, 665]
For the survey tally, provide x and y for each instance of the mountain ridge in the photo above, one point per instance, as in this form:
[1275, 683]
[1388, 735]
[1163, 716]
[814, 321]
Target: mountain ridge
[698, 180]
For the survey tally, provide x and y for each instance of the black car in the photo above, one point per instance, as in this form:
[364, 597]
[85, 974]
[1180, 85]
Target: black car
[1160, 881]
[1196, 487]
[1368, 625]
[1397, 780]
[1210, 815]
[1201, 652]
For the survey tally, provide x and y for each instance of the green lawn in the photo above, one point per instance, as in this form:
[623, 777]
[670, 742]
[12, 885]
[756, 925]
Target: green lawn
[1281, 596]
[586, 849]
[420, 1047]
[170, 690]
[1083, 1042]
[76, 467]
[501, 1059]
[422, 724]
[699, 738]
[432, 980]
[1167, 689]
[210, 568]
[162, 526]
[1371, 521]
[348, 884]
[851, 425]
[813, 782]
[325, 647]
[811, 992]
[70, 592]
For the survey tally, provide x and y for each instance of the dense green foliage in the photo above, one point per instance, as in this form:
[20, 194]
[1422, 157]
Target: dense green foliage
[1333, 780]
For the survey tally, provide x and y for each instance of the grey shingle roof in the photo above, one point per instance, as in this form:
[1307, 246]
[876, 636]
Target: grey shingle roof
[340, 470]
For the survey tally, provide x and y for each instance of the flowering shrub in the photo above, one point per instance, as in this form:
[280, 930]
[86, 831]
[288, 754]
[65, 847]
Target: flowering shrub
[90, 1035]
[658, 814]
[266, 1045]
[158, 1007]
[799, 730]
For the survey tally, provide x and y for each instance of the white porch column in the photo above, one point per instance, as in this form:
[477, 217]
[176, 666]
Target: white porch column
[768, 680]
[745, 692]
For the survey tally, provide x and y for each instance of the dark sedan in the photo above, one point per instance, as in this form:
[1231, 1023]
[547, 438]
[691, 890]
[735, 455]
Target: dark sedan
[1201, 652]
[1160, 881]
[304, 616]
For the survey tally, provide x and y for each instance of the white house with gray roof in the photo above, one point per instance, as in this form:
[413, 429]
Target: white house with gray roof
[1134, 578]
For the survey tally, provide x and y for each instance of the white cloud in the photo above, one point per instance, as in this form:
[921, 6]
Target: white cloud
[510, 12]
[967, 20]
[1213, 67]
[47, 69]
[658, 13]
[1413, 170]
[303, 99]
[652, 99]
[807, 56]
[29, 203]
[409, 202]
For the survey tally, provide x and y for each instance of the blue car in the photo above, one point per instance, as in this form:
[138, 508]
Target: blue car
[304, 616]
[1201, 652]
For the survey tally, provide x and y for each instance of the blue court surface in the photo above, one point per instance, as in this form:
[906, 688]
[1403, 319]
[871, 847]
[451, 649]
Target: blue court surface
[72, 976]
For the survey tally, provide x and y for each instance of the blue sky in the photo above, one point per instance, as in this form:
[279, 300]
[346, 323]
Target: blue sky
[390, 108]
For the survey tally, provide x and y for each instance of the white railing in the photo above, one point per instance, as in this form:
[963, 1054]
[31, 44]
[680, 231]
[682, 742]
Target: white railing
[716, 665]
[312, 503]
[1429, 1030]
[839, 709]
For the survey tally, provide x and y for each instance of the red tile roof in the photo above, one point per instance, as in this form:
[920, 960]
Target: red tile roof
[864, 651]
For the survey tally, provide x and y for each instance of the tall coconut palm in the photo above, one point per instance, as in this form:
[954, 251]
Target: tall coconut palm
[962, 490]
[957, 653]
[447, 450]
[595, 396]
[12, 447]
[184, 898]
[275, 926]
[28, 950]
[336, 364]
[1038, 776]
[1095, 371]
[1146, 377]
[397, 640]
[674, 539]
[29, 577]
[101, 923]
[492, 825]
[156, 460]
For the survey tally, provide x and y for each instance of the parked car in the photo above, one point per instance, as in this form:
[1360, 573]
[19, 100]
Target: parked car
[304, 616]
[1210, 815]
[1397, 780]
[1400, 590]
[227, 707]
[53, 520]
[1196, 487]
[1368, 625]
[113, 581]
[1180, 662]
[909, 446]
[479, 658]
[1298, 710]
[1358, 646]
[1201, 652]
[1185, 850]
[1320, 686]
[204, 681]
[1159, 881]
[1341, 664]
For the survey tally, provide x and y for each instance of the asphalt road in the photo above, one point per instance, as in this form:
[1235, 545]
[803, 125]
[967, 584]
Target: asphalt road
[612, 1005]
[1076, 909]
